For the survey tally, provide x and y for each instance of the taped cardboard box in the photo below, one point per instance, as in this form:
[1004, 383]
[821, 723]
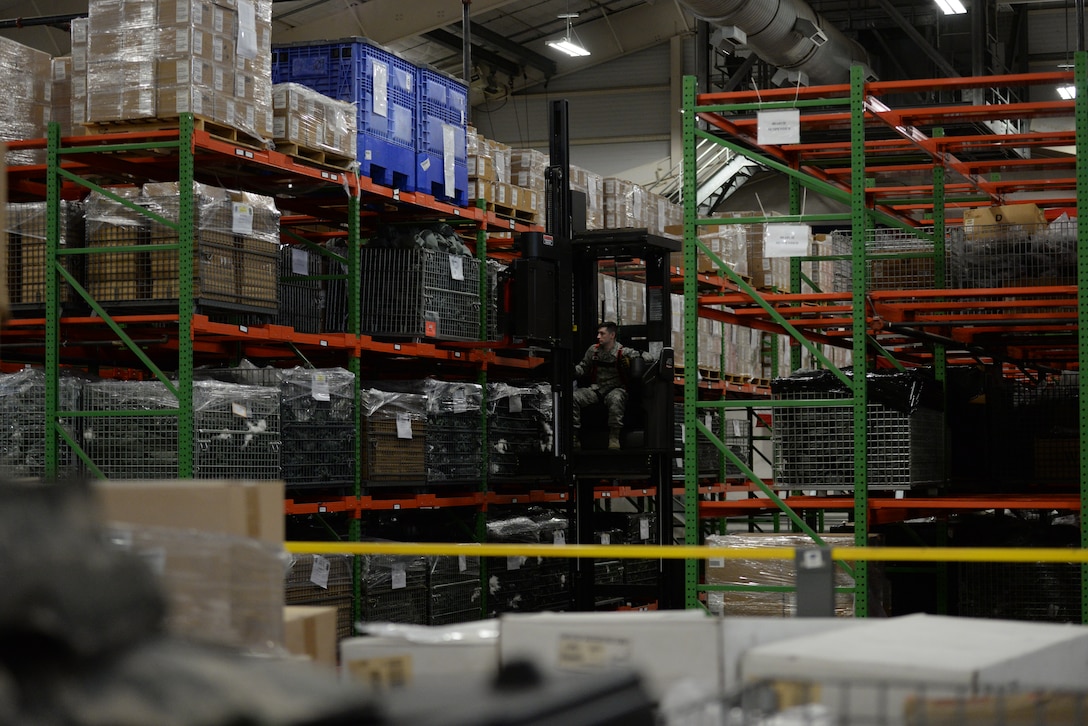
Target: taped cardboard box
[310, 630]
[989, 221]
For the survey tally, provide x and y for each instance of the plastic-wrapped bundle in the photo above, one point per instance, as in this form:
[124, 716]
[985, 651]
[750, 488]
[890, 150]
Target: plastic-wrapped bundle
[25, 80]
[27, 234]
[220, 588]
[454, 447]
[519, 425]
[117, 276]
[131, 447]
[394, 436]
[394, 589]
[529, 584]
[456, 593]
[236, 431]
[310, 120]
[317, 407]
[22, 423]
[780, 573]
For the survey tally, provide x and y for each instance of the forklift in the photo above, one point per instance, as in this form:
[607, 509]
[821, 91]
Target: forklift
[555, 305]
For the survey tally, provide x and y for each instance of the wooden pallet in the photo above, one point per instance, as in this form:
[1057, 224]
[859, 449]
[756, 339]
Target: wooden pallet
[200, 123]
[508, 212]
[316, 156]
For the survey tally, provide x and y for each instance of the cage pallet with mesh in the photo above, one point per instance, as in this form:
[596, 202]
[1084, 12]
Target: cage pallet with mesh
[26, 247]
[454, 443]
[529, 584]
[1013, 255]
[318, 417]
[301, 294]
[814, 446]
[896, 259]
[456, 593]
[519, 425]
[393, 437]
[394, 589]
[22, 424]
[323, 580]
[419, 293]
[131, 446]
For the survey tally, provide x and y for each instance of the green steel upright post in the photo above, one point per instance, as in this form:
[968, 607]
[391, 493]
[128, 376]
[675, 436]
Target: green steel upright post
[691, 342]
[859, 227]
[940, 354]
[52, 301]
[796, 350]
[1080, 80]
[186, 224]
[479, 529]
[355, 529]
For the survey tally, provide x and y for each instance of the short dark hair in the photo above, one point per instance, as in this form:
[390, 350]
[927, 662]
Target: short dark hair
[609, 326]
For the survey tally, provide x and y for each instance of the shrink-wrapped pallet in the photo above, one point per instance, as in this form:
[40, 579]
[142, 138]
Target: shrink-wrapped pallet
[311, 121]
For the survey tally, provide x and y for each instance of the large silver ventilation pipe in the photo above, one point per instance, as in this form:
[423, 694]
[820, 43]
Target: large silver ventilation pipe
[789, 35]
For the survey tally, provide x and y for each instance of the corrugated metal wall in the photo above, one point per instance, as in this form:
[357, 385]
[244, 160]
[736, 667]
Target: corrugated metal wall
[621, 113]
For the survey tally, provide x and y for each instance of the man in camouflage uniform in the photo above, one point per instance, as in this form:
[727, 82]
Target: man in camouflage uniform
[607, 365]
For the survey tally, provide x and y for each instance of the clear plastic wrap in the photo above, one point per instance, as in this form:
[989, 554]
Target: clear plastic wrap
[313, 121]
[625, 204]
[131, 447]
[516, 398]
[220, 589]
[389, 405]
[27, 233]
[236, 431]
[778, 573]
[25, 83]
[453, 397]
[319, 438]
[22, 423]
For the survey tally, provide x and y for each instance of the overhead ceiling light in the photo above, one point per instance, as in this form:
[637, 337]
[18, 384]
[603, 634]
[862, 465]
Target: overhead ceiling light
[951, 7]
[567, 43]
[1067, 93]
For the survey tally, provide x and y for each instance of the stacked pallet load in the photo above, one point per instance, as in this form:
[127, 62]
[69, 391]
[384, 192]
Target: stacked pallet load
[323, 581]
[490, 181]
[382, 88]
[26, 87]
[155, 59]
[393, 437]
[60, 95]
[27, 231]
[454, 444]
[310, 125]
[22, 424]
[456, 593]
[590, 184]
[528, 584]
[319, 443]
[519, 425]
[394, 589]
[79, 28]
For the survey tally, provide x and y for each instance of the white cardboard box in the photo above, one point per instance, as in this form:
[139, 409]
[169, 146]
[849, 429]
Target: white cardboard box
[876, 667]
[664, 647]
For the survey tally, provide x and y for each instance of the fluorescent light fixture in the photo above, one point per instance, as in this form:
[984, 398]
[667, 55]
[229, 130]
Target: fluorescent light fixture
[1068, 93]
[567, 44]
[951, 7]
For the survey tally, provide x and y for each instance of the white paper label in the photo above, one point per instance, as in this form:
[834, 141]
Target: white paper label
[219, 20]
[462, 563]
[426, 163]
[736, 428]
[716, 562]
[514, 563]
[399, 576]
[786, 240]
[241, 221]
[780, 126]
[606, 538]
[319, 386]
[379, 76]
[404, 426]
[239, 409]
[300, 262]
[460, 400]
[644, 529]
[319, 575]
[559, 537]
[247, 30]
[579, 653]
[449, 138]
[515, 404]
[457, 267]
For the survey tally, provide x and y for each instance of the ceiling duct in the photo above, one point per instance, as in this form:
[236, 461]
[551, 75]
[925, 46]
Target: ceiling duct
[789, 35]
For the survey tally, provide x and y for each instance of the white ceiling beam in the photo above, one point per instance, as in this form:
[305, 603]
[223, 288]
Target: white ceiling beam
[383, 21]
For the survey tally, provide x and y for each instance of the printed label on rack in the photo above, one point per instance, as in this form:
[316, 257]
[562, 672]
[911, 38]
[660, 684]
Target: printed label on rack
[606, 538]
[514, 563]
[319, 575]
[580, 652]
[786, 240]
[779, 126]
[462, 563]
[239, 409]
[644, 528]
[300, 262]
[319, 387]
[457, 267]
[716, 562]
[241, 218]
[460, 401]
[515, 404]
[399, 576]
[559, 537]
[404, 426]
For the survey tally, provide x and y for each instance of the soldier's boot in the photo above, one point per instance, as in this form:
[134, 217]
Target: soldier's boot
[614, 439]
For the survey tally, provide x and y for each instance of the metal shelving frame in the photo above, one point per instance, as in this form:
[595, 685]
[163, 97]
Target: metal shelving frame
[863, 140]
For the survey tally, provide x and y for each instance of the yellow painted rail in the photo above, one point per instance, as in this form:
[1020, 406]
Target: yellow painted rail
[681, 552]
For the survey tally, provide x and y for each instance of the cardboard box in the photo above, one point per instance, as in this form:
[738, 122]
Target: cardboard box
[409, 653]
[240, 508]
[987, 221]
[665, 647]
[310, 630]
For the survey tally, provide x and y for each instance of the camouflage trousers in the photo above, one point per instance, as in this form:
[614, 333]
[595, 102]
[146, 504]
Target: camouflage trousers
[615, 400]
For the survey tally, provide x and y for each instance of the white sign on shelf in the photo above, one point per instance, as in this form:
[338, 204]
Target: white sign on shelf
[780, 126]
[786, 240]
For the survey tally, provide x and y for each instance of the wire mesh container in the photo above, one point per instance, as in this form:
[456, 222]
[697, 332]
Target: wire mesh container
[317, 408]
[394, 436]
[519, 425]
[456, 592]
[734, 434]
[301, 297]
[814, 445]
[323, 580]
[419, 293]
[1014, 255]
[131, 445]
[523, 584]
[454, 441]
[236, 431]
[394, 589]
[26, 246]
[902, 260]
[22, 424]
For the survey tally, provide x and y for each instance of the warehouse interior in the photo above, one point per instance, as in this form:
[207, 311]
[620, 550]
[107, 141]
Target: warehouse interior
[843, 233]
